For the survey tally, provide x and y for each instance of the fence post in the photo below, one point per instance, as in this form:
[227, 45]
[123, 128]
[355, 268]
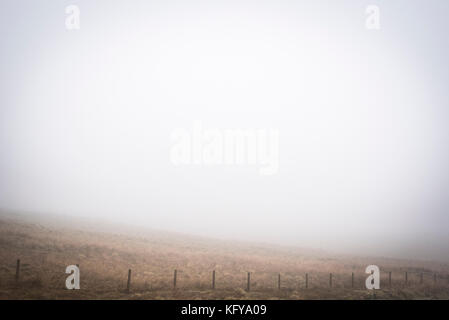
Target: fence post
[352, 280]
[18, 270]
[406, 277]
[174, 278]
[307, 280]
[389, 279]
[213, 279]
[248, 285]
[279, 281]
[128, 284]
[330, 280]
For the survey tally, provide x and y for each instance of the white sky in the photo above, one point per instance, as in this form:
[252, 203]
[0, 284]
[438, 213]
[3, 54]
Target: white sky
[86, 117]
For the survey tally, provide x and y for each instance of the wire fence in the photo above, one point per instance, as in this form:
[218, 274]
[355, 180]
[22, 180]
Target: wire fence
[258, 280]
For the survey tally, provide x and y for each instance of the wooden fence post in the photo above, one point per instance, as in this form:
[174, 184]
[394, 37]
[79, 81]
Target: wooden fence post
[389, 279]
[213, 280]
[279, 281]
[352, 280]
[248, 285]
[174, 278]
[18, 270]
[307, 280]
[330, 280]
[128, 285]
[406, 277]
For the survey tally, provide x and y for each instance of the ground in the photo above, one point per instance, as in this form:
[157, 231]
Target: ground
[105, 255]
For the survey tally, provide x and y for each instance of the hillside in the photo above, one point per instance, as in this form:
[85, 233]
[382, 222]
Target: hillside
[105, 255]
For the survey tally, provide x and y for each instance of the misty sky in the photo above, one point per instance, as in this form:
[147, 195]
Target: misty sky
[86, 117]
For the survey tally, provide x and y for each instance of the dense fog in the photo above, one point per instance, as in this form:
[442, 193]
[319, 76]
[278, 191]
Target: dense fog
[319, 124]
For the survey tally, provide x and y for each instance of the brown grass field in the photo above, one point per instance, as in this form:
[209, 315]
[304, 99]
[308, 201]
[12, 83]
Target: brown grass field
[105, 254]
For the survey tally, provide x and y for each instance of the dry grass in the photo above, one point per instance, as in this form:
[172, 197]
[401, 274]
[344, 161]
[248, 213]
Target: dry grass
[105, 257]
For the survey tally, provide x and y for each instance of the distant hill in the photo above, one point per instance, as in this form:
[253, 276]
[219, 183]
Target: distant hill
[106, 252]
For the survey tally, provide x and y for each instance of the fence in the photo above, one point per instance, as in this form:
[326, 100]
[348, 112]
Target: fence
[308, 280]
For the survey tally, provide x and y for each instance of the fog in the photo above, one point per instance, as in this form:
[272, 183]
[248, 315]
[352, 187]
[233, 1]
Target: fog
[352, 154]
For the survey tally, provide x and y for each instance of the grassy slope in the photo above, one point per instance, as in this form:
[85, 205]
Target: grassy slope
[105, 257]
